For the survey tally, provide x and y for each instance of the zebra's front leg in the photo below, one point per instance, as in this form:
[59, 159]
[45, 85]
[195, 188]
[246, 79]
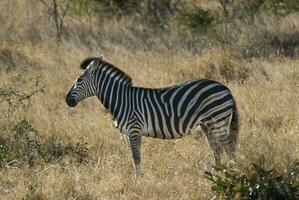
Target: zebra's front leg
[135, 143]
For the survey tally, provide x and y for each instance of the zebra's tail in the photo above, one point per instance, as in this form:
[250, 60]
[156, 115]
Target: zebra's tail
[234, 125]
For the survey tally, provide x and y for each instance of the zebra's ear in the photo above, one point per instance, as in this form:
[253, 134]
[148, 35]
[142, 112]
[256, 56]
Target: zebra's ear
[86, 62]
[93, 65]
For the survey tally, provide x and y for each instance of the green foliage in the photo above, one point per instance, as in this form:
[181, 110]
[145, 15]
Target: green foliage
[22, 128]
[155, 13]
[251, 8]
[79, 151]
[83, 7]
[259, 184]
[26, 147]
[6, 156]
[248, 9]
[120, 7]
[51, 151]
[199, 19]
[196, 19]
[2, 92]
[105, 7]
[283, 7]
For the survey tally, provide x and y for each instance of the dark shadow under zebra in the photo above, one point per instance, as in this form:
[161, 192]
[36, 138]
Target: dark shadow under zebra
[165, 113]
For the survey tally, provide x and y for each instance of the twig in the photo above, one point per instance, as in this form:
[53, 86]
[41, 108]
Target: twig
[63, 15]
[45, 4]
[58, 17]
[11, 96]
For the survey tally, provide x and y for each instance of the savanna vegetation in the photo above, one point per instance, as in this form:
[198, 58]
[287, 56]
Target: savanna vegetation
[50, 151]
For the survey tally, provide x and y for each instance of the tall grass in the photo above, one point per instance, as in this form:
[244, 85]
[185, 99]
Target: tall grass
[265, 88]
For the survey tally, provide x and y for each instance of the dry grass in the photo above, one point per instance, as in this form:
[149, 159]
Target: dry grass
[266, 91]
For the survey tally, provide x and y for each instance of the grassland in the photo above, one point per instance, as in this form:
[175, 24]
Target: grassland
[84, 155]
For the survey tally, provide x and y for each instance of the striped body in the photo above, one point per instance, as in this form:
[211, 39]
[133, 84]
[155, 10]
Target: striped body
[173, 112]
[166, 113]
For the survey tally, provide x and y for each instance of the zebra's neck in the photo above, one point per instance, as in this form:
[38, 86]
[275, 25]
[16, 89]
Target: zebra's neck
[114, 98]
[113, 90]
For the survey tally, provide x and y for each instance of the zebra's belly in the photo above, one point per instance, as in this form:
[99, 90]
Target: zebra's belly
[162, 135]
[164, 130]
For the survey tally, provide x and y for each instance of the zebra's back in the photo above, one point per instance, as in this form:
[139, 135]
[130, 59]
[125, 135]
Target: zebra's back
[173, 112]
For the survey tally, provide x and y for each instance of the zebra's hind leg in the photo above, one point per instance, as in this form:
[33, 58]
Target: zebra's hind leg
[221, 131]
[214, 145]
[216, 149]
[230, 149]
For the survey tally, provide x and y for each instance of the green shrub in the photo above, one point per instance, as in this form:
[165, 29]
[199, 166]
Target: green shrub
[283, 7]
[50, 154]
[259, 184]
[105, 7]
[79, 151]
[196, 19]
[6, 156]
[26, 147]
[22, 128]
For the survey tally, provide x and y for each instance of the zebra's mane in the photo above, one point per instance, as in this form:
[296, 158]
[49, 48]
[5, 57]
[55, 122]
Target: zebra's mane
[87, 61]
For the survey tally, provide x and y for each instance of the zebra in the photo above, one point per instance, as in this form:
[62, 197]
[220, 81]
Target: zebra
[166, 113]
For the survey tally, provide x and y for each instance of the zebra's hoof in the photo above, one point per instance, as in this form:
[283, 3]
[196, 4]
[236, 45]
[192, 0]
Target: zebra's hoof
[137, 177]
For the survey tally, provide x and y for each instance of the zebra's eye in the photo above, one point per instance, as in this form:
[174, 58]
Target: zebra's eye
[80, 79]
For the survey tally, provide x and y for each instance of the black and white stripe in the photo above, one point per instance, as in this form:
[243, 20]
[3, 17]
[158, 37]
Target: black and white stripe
[165, 113]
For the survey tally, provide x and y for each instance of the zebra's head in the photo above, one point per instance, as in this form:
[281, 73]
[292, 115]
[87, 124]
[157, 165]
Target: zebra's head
[84, 85]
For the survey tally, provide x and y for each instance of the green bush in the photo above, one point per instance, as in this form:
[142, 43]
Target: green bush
[22, 128]
[259, 184]
[26, 147]
[155, 13]
[196, 19]
[283, 7]
[6, 156]
[105, 7]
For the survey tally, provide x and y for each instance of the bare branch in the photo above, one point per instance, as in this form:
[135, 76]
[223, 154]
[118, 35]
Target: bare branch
[17, 98]
[45, 4]
[224, 4]
[57, 14]
[63, 15]
[65, 9]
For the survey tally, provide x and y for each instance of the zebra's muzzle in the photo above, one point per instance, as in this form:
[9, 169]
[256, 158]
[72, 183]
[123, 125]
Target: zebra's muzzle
[70, 101]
